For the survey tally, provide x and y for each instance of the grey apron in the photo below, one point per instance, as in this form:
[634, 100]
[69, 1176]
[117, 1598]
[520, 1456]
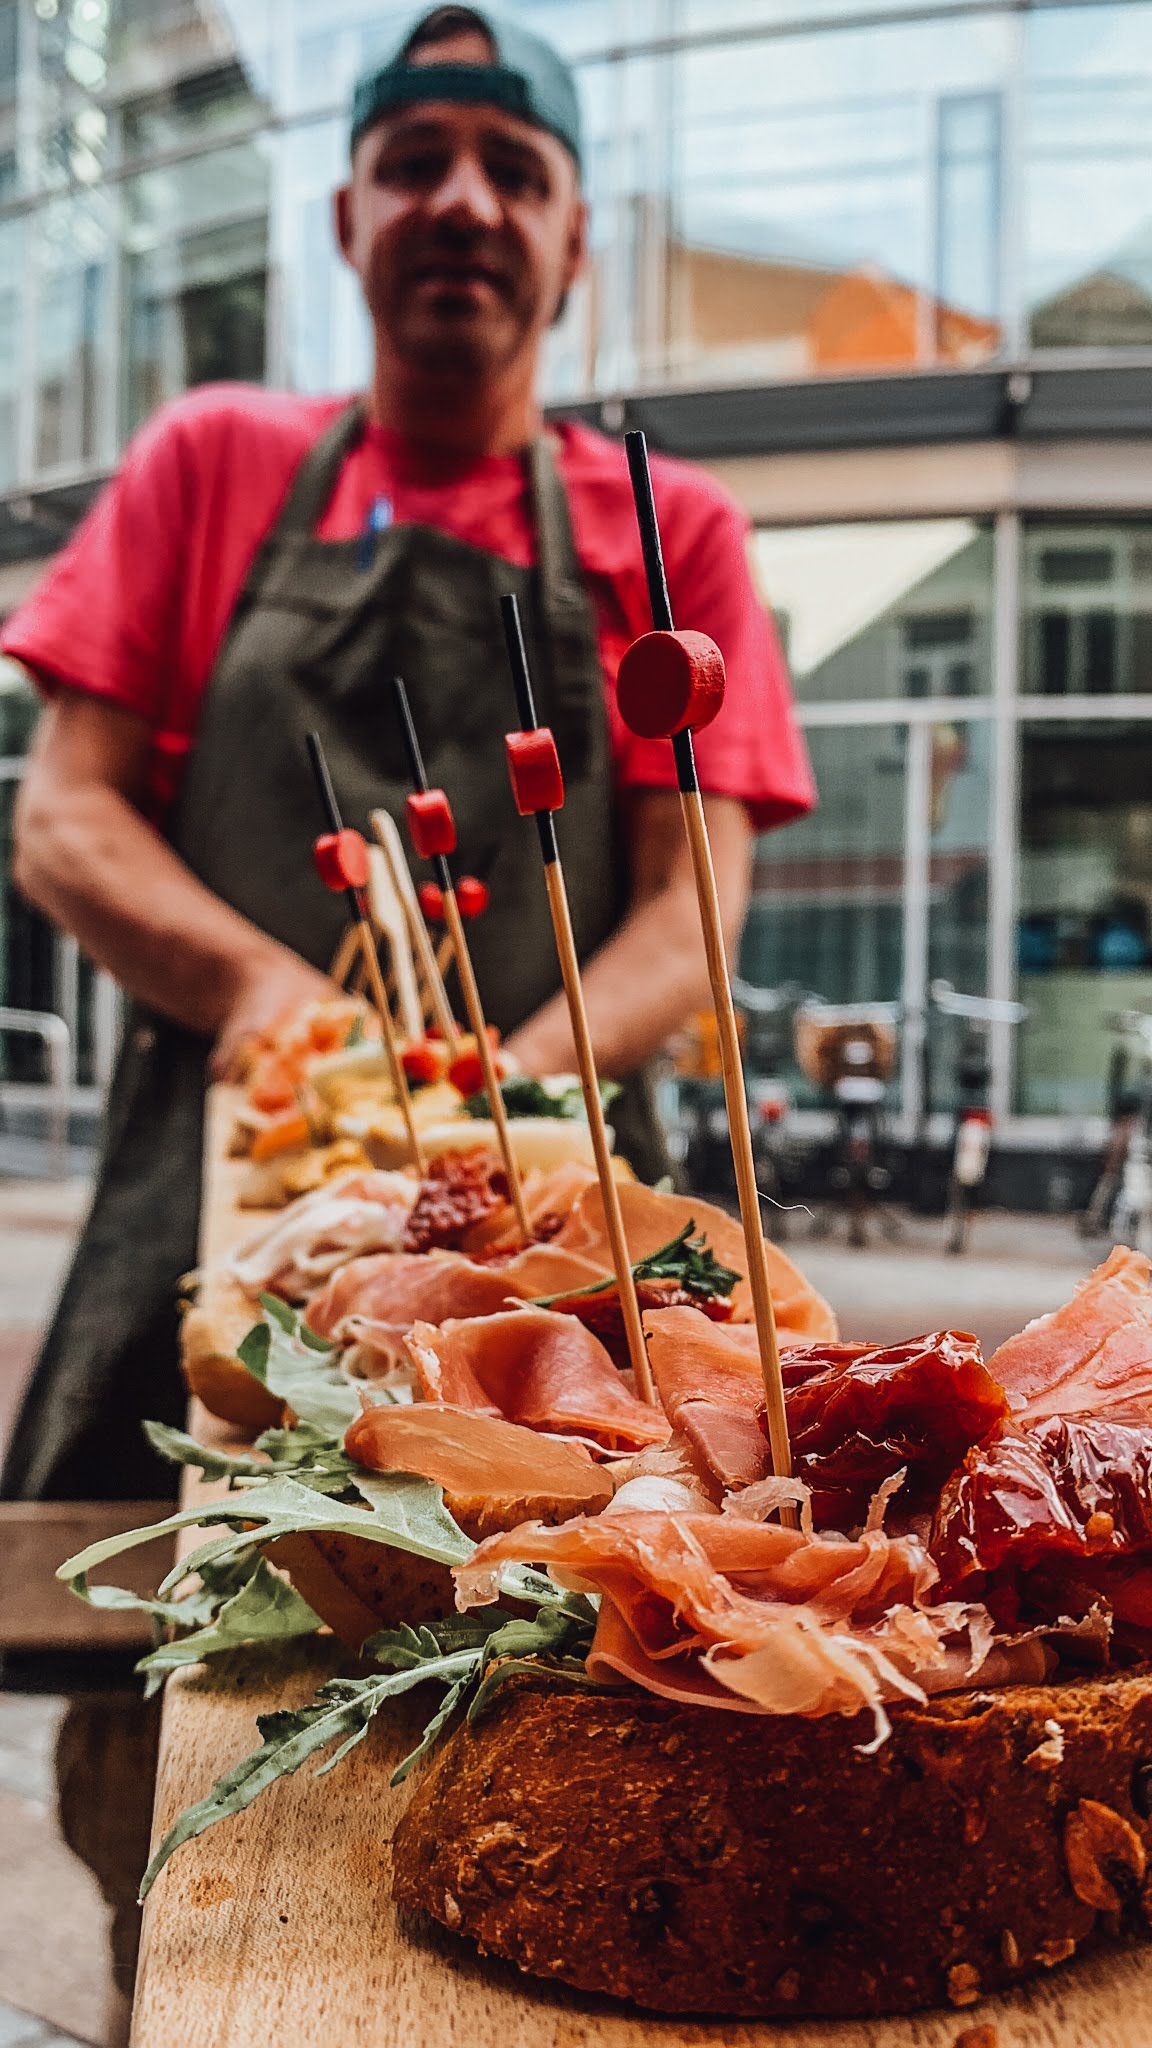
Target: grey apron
[312, 643]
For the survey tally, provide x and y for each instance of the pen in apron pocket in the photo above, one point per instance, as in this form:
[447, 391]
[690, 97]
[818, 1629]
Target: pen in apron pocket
[377, 519]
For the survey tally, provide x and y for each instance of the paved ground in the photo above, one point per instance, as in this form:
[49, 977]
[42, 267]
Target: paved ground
[51, 1916]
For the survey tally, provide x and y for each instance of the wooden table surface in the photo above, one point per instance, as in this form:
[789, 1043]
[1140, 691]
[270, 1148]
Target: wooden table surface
[277, 1927]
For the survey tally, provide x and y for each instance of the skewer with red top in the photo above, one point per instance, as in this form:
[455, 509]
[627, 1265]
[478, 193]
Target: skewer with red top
[432, 830]
[672, 684]
[538, 787]
[342, 863]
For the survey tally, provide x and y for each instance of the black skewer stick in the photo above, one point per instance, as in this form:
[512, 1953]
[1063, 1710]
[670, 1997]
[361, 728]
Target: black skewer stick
[465, 971]
[360, 923]
[582, 1037]
[736, 1100]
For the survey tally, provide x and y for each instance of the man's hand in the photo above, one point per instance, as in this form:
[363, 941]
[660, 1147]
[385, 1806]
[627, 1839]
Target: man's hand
[86, 856]
[281, 982]
[651, 974]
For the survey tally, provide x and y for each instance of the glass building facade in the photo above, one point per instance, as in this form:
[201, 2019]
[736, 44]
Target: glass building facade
[887, 269]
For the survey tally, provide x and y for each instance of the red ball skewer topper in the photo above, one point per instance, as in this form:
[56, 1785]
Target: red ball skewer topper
[342, 860]
[534, 768]
[670, 682]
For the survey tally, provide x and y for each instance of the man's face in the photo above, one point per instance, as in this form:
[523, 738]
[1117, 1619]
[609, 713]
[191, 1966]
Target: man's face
[465, 227]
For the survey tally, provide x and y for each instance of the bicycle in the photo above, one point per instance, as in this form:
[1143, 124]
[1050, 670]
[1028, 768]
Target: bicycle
[768, 1018]
[849, 1051]
[1121, 1201]
[972, 1137]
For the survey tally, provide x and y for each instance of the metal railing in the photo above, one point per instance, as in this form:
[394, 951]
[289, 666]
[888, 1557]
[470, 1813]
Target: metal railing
[56, 1039]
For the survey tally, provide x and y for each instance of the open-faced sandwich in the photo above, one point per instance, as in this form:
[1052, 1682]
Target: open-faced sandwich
[898, 1756]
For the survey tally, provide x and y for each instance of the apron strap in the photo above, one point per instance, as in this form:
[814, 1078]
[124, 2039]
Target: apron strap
[315, 480]
[565, 608]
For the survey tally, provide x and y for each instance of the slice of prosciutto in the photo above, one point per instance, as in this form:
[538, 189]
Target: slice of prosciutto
[358, 1212]
[857, 1414]
[703, 1606]
[532, 1366]
[390, 1291]
[493, 1473]
[1091, 1355]
[652, 1219]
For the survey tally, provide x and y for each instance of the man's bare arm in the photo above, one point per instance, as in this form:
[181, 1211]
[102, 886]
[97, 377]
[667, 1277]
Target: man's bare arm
[86, 856]
[651, 974]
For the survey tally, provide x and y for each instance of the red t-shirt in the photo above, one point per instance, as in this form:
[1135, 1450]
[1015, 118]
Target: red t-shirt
[135, 607]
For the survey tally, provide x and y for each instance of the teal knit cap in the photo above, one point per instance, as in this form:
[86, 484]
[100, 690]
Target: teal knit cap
[527, 78]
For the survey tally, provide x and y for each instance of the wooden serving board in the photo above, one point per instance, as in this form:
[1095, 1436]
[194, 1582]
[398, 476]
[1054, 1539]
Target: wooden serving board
[278, 1926]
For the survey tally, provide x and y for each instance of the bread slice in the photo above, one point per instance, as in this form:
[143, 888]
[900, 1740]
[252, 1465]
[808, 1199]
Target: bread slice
[696, 1860]
[218, 1321]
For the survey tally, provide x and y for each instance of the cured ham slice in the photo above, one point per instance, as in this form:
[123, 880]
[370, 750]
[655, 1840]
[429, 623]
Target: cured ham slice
[538, 1368]
[783, 1622]
[359, 1212]
[1069, 1488]
[915, 1406]
[1091, 1355]
[493, 1473]
[393, 1290]
[709, 1381]
[652, 1219]
[856, 1414]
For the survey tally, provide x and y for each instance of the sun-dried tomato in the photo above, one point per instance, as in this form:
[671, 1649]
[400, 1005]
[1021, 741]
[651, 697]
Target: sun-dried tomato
[457, 1192]
[602, 1314]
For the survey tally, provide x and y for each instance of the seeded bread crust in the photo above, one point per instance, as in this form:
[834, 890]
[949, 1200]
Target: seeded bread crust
[696, 1860]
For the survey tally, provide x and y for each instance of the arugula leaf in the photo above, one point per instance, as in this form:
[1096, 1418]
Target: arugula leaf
[181, 1449]
[685, 1259]
[264, 1609]
[306, 1453]
[302, 1368]
[342, 1713]
[525, 1095]
[401, 1511]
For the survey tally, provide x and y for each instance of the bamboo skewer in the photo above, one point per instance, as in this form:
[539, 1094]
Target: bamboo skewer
[360, 923]
[431, 974]
[346, 952]
[574, 991]
[473, 1007]
[692, 807]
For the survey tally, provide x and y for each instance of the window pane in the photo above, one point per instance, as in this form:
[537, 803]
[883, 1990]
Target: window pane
[1087, 610]
[902, 608]
[13, 244]
[958, 823]
[1085, 903]
[1088, 175]
[827, 903]
[196, 276]
[813, 178]
[72, 246]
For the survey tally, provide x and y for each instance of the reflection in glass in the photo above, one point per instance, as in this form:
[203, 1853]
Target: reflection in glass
[899, 608]
[1088, 175]
[1087, 603]
[958, 828]
[805, 232]
[195, 276]
[1085, 938]
[71, 248]
[13, 244]
[968, 186]
[827, 904]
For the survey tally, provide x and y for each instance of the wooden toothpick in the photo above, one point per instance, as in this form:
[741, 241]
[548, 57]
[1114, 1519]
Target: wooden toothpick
[697, 658]
[539, 791]
[343, 868]
[434, 834]
[388, 838]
